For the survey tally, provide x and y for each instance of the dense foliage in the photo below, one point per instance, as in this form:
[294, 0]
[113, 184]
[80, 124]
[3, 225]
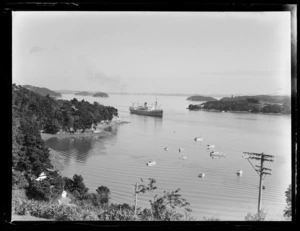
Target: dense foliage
[100, 94]
[200, 98]
[42, 91]
[260, 216]
[242, 104]
[84, 208]
[288, 198]
[53, 115]
[277, 99]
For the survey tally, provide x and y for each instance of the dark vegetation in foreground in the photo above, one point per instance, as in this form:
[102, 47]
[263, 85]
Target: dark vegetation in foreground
[254, 104]
[30, 157]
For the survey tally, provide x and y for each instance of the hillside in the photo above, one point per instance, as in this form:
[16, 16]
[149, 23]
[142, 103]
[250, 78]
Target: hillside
[200, 98]
[244, 104]
[263, 98]
[100, 94]
[53, 115]
[42, 91]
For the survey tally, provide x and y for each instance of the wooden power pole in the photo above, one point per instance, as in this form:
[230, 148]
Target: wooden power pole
[136, 187]
[261, 170]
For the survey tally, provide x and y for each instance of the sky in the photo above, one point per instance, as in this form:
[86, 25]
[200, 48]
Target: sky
[154, 52]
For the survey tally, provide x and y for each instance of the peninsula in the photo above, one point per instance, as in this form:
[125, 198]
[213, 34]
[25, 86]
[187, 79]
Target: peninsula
[254, 104]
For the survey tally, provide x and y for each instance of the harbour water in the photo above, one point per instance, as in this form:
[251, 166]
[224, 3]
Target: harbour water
[118, 159]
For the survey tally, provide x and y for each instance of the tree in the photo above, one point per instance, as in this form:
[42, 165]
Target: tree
[104, 194]
[162, 207]
[52, 126]
[76, 187]
[288, 198]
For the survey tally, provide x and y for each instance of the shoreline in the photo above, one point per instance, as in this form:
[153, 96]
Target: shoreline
[57, 159]
[244, 112]
[101, 127]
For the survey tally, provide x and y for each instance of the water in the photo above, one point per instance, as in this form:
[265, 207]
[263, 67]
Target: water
[118, 159]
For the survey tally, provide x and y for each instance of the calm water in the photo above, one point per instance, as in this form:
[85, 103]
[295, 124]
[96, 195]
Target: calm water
[118, 160]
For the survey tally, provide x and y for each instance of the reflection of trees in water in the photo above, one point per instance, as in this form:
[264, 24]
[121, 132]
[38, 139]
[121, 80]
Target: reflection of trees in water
[112, 129]
[72, 147]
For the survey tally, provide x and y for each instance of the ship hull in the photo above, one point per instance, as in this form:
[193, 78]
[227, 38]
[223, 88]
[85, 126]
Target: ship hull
[157, 113]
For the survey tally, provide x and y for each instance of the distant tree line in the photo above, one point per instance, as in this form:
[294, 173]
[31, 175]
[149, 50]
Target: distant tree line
[244, 104]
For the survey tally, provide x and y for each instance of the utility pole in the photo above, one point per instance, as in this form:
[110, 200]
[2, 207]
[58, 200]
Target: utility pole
[261, 171]
[136, 187]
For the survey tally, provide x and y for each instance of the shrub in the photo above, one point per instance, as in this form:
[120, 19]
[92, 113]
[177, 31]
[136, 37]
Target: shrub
[260, 216]
[288, 198]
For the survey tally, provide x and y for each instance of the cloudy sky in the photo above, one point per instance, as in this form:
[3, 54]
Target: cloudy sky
[154, 52]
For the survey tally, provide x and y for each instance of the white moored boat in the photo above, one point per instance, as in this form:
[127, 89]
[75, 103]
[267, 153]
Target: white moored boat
[210, 146]
[197, 139]
[239, 172]
[183, 157]
[201, 175]
[151, 163]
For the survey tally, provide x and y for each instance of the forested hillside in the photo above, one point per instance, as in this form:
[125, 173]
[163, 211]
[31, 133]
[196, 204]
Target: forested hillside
[53, 115]
[42, 91]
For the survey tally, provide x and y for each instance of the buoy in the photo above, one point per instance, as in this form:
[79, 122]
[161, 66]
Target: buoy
[181, 149]
[239, 172]
[166, 148]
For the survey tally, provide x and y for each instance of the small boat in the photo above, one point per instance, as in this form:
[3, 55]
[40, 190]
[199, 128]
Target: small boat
[220, 154]
[166, 148]
[210, 146]
[201, 175]
[197, 139]
[183, 157]
[151, 163]
[239, 172]
[147, 110]
[181, 149]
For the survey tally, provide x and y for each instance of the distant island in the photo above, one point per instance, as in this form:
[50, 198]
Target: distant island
[83, 93]
[67, 91]
[254, 104]
[42, 91]
[100, 94]
[200, 98]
